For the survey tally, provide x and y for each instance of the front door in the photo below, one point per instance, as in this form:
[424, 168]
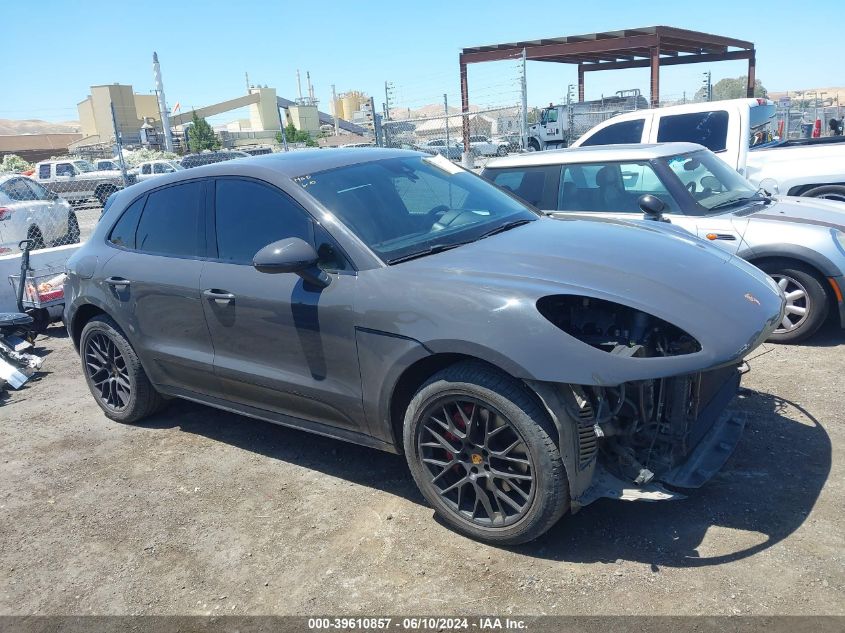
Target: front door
[280, 344]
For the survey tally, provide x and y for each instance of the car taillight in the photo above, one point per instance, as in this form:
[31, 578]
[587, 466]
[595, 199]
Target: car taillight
[5, 213]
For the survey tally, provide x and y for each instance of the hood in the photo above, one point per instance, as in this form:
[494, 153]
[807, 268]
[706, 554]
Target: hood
[728, 305]
[815, 211]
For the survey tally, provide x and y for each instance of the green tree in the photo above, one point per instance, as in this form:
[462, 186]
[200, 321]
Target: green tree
[13, 163]
[201, 137]
[296, 136]
[731, 88]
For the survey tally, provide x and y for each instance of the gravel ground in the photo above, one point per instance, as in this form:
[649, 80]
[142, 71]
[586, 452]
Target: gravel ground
[199, 511]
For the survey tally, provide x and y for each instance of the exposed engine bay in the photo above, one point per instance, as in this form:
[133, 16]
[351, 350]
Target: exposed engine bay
[616, 328]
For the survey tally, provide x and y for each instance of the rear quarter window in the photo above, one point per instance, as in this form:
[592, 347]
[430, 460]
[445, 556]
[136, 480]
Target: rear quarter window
[705, 128]
[123, 233]
[617, 134]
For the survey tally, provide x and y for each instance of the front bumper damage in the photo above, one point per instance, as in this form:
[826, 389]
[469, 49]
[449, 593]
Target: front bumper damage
[628, 441]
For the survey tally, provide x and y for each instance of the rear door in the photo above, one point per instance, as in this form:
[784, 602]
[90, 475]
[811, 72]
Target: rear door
[153, 281]
[280, 345]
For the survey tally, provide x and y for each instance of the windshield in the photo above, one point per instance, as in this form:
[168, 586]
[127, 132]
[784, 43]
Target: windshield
[84, 165]
[404, 206]
[709, 180]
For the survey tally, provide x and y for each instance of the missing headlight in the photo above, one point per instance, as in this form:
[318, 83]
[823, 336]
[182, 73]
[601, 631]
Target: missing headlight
[616, 328]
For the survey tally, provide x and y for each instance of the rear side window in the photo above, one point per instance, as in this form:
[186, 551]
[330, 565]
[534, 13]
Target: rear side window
[44, 171]
[250, 215]
[171, 221]
[618, 134]
[535, 185]
[18, 190]
[123, 233]
[705, 128]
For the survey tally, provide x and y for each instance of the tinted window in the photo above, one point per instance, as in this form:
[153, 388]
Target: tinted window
[44, 171]
[617, 134]
[64, 169]
[145, 169]
[249, 216]
[17, 189]
[123, 233]
[705, 128]
[610, 187]
[171, 222]
[535, 185]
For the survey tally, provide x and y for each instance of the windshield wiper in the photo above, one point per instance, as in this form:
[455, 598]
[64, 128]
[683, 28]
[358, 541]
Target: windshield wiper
[729, 203]
[431, 250]
[507, 226]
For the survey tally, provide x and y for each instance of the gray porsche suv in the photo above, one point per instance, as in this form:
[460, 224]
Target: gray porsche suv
[524, 365]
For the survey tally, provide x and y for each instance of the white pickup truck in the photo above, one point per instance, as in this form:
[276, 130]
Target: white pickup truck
[743, 133]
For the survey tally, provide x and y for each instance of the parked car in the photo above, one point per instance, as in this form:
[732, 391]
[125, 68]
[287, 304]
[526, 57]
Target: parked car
[153, 168]
[209, 158]
[798, 241]
[512, 141]
[106, 164]
[483, 146]
[29, 211]
[452, 149]
[393, 299]
[77, 181]
[743, 133]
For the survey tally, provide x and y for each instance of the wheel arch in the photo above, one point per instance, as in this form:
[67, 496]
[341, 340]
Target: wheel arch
[804, 262]
[81, 316]
[793, 252]
[800, 190]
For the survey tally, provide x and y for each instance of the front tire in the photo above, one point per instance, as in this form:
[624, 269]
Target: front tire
[829, 192]
[484, 454]
[114, 373]
[807, 300]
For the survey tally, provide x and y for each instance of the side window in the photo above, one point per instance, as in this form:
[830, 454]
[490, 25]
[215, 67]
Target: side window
[551, 117]
[145, 169]
[39, 192]
[17, 190]
[331, 257]
[65, 169]
[535, 185]
[610, 187]
[250, 215]
[171, 222]
[705, 128]
[162, 168]
[123, 233]
[44, 171]
[617, 134]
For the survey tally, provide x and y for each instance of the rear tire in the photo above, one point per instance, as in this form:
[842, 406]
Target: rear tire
[72, 235]
[808, 300]
[34, 234]
[102, 194]
[473, 399]
[830, 192]
[114, 373]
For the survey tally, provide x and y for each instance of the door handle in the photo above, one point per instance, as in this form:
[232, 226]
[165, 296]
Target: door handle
[117, 281]
[220, 296]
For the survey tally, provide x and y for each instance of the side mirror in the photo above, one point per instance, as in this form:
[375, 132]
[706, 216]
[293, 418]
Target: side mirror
[652, 208]
[291, 255]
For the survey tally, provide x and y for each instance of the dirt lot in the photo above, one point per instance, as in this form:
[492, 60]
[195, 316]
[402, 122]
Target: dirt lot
[199, 511]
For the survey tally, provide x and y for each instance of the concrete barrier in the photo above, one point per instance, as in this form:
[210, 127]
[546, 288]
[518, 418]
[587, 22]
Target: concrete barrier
[11, 265]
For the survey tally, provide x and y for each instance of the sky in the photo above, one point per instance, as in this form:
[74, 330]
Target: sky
[54, 52]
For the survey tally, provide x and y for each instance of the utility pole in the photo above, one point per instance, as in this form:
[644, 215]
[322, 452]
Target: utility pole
[119, 142]
[446, 110]
[282, 125]
[708, 86]
[570, 112]
[334, 111]
[388, 89]
[524, 87]
[162, 104]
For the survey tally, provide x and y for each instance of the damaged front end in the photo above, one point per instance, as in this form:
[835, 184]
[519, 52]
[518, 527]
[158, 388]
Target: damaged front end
[624, 441]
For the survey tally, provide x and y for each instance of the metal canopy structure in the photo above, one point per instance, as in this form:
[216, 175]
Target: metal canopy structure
[648, 47]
